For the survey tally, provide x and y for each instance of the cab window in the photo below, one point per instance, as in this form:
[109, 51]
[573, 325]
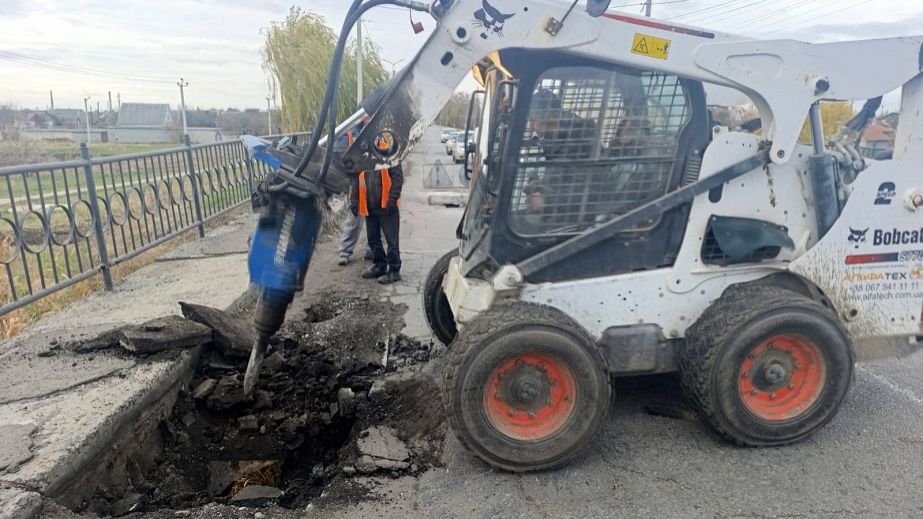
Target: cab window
[597, 144]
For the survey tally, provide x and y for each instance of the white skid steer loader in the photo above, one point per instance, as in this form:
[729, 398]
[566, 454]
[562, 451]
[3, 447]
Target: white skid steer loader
[614, 229]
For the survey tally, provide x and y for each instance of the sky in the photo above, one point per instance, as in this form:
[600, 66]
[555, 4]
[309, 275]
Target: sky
[138, 49]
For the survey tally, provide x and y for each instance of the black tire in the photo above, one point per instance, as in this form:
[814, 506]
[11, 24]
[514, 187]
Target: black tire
[436, 307]
[741, 331]
[501, 336]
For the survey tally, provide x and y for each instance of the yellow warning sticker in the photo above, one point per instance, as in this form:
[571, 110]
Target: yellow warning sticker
[651, 46]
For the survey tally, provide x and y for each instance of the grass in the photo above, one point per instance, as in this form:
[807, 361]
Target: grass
[269, 475]
[19, 152]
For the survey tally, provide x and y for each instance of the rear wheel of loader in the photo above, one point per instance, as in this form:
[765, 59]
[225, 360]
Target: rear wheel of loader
[436, 307]
[525, 388]
[767, 366]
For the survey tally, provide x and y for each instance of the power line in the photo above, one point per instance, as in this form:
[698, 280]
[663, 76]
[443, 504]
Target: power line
[49, 65]
[714, 17]
[802, 22]
[798, 15]
[762, 20]
[691, 13]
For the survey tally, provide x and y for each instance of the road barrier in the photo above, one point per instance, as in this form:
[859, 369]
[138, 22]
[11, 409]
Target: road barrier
[64, 222]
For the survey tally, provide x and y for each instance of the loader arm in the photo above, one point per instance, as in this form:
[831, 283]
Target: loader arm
[782, 77]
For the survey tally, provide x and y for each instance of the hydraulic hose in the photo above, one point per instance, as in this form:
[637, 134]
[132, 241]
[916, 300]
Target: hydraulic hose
[328, 107]
[332, 116]
[328, 95]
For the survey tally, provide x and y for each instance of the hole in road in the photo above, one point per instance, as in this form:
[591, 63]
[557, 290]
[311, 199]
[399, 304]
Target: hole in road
[319, 394]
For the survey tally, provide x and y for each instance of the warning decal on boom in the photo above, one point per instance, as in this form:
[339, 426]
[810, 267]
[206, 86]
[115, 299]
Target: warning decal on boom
[651, 46]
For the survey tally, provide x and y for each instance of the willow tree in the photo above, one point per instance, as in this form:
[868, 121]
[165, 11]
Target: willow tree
[298, 53]
[834, 115]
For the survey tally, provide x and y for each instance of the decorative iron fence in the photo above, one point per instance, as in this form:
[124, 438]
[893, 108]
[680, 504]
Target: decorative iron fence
[64, 222]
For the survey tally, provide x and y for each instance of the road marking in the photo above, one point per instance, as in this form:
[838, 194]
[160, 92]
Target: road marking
[910, 395]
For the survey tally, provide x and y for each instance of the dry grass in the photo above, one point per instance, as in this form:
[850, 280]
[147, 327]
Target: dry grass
[269, 475]
[13, 323]
[19, 152]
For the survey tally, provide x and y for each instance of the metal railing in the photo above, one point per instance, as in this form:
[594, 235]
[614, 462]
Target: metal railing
[64, 222]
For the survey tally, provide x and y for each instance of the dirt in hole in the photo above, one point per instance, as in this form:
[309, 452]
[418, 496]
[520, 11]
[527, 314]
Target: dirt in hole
[338, 395]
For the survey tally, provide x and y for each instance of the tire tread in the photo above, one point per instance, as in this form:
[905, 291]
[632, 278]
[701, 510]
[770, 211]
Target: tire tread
[720, 321]
[499, 318]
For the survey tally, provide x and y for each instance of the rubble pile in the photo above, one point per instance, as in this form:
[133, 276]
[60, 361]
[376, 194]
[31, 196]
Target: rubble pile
[338, 395]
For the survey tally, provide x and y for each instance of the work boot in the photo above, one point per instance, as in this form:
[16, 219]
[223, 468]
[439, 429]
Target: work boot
[390, 277]
[373, 273]
[343, 261]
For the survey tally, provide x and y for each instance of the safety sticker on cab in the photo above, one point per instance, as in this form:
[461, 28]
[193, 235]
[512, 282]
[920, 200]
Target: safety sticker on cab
[651, 46]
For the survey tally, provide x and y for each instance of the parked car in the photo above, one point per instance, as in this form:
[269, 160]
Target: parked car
[450, 142]
[460, 149]
[446, 132]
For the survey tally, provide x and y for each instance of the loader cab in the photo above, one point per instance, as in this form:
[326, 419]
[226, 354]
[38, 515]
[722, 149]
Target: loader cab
[567, 143]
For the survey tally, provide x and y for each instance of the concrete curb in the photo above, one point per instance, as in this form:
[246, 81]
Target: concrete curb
[178, 374]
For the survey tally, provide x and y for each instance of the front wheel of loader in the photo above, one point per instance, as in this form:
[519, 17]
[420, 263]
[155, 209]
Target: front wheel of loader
[767, 366]
[525, 388]
[436, 307]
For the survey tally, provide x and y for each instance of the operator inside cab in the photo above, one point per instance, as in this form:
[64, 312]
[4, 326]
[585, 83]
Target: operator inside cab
[580, 150]
[562, 136]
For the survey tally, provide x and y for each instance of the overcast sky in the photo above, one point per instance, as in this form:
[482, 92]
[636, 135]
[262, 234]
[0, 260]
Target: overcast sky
[140, 48]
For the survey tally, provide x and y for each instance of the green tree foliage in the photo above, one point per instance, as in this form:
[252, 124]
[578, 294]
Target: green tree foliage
[298, 53]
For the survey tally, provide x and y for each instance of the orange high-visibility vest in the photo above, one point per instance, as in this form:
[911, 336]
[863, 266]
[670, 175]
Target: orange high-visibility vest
[385, 189]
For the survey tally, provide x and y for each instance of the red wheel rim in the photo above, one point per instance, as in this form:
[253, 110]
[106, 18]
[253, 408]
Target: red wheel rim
[782, 378]
[530, 397]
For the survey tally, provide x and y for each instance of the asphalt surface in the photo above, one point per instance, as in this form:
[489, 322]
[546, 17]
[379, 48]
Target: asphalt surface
[655, 458]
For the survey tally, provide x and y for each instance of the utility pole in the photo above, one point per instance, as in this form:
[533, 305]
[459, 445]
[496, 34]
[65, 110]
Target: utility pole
[360, 61]
[182, 99]
[268, 116]
[86, 113]
[648, 5]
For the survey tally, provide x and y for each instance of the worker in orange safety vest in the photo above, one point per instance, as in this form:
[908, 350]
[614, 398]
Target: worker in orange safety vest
[376, 195]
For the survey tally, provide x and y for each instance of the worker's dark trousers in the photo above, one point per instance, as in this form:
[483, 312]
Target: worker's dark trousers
[389, 224]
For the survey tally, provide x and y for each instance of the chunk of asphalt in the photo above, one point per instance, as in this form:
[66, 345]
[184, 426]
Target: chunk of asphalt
[19, 504]
[382, 443]
[227, 394]
[256, 495]
[273, 362]
[204, 388]
[164, 333]
[234, 336]
[103, 341]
